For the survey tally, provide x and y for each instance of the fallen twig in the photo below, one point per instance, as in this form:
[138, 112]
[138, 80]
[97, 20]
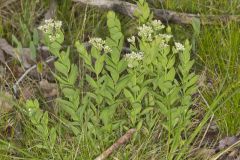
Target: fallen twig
[125, 138]
[128, 9]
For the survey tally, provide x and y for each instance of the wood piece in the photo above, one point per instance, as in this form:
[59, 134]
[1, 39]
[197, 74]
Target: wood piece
[128, 9]
[125, 138]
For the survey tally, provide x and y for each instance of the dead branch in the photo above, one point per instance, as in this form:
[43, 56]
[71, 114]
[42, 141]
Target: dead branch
[125, 138]
[128, 9]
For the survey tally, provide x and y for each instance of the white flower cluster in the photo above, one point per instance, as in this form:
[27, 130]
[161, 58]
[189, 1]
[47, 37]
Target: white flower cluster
[107, 49]
[179, 46]
[99, 43]
[166, 37]
[135, 55]
[133, 58]
[132, 39]
[51, 28]
[157, 25]
[163, 45]
[145, 32]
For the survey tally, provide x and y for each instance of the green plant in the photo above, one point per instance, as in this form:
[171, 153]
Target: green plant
[146, 79]
[219, 52]
[105, 62]
[67, 72]
[39, 119]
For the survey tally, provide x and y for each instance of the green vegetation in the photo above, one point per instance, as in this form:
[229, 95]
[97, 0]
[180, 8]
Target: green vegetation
[170, 82]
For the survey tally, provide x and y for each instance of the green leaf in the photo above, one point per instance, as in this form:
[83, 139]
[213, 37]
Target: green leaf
[128, 95]
[54, 48]
[91, 81]
[107, 114]
[114, 73]
[143, 12]
[64, 102]
[146, 110]
[61, 68]
[62, 80]
[75, 130]
[69, 92]
[139, 125]
[71, 112]
[83, 53]
[99, 64]
[95, 53]
[35, 37]
[122, 83]
[60, 38]
[73, 74]
[44, 120]
[122, 65]
[196, 24]
[18, 43]
[170, 75]
[136, 109]
[33, 51]
[142, 93]
[171, 62]
[39, 67]
[52, 137]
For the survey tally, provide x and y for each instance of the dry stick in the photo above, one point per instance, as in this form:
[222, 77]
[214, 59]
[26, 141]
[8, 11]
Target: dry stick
[128, 9]
[125, 138]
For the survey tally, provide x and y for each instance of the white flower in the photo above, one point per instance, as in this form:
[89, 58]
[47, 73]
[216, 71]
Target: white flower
[51, 28]
[145, 32]
[157, 25]
[58, 24]
[179, 46]
[134, 55]
[97, 42]
[163, 45]
[107, 49]
[133, 58]
[132, 39]
[166, 37]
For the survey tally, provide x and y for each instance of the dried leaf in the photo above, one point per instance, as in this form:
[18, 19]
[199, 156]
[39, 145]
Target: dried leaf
[227, 141]
[5, 103]
[233, 154]
[7, 48]
[205, 153]
[28, 92]
[2, 57]
[48, 89]
[2, 72]
[26, 58]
